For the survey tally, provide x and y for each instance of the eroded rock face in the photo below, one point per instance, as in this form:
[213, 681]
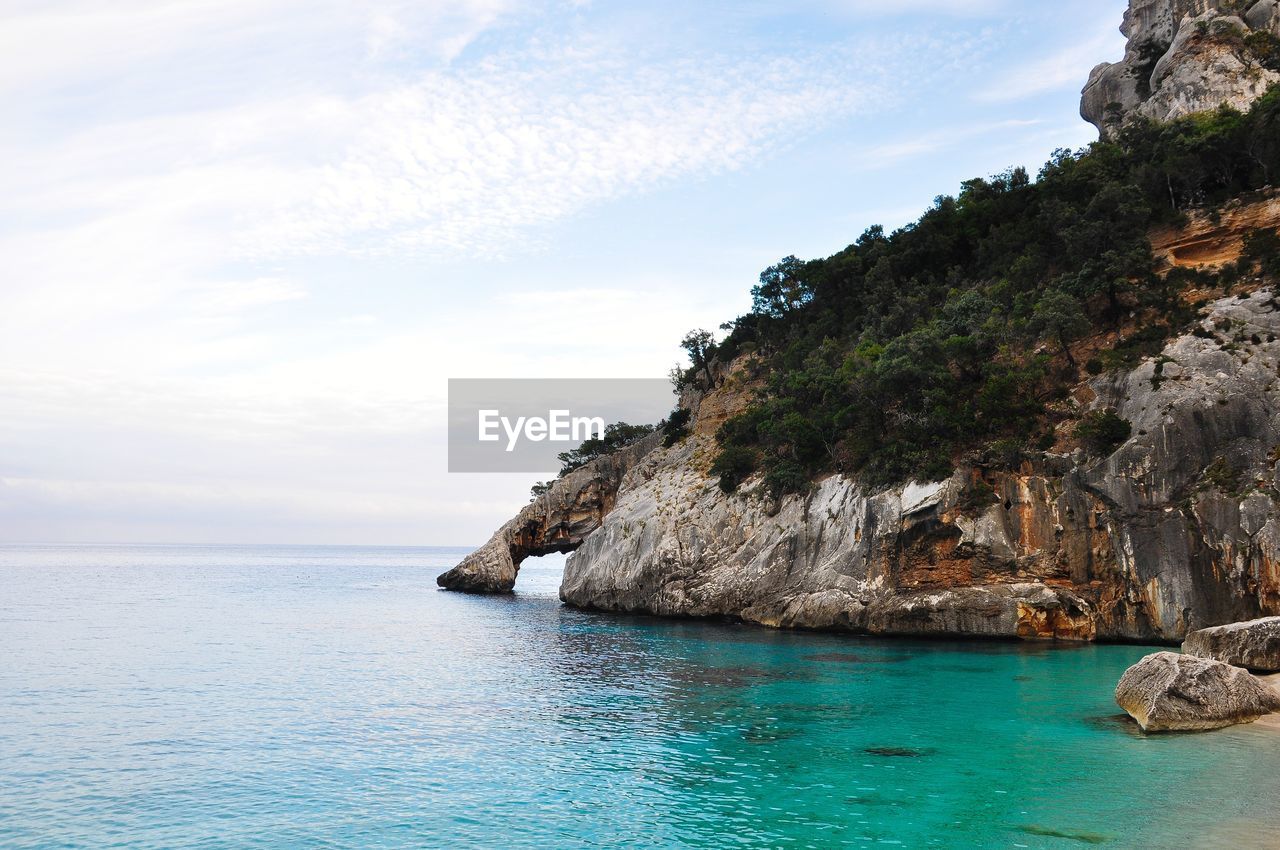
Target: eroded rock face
[1177, 530]
[1211, 241]
[1254, 644]
[894, 562]
[557, 521]
[1182, 57]
[1168, 692]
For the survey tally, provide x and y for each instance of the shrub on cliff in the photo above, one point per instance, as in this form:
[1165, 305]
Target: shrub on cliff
[1103, 431]
[616, 436]
[676, 426]
[733, 466]
[1262, 250]
[1265, 47]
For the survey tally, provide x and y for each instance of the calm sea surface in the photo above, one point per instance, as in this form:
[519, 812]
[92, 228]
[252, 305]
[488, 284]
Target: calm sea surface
[282, 697]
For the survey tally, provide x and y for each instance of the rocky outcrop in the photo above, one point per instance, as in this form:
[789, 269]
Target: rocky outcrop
[1265, 16]
[1168, 692]
[1178, 529]
[557, 521]
[1254, 645]
[1212, 241]
[1183, 57]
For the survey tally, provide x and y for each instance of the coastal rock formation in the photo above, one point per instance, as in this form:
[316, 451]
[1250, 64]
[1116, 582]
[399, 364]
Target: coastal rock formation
[893, 562]
[1168, 692]
[557, 521]
[1183, 57]
[1178, 529]
[1254, 645]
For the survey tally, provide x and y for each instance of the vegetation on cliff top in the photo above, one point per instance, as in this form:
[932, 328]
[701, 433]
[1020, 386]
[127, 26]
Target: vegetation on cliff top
[953, 334]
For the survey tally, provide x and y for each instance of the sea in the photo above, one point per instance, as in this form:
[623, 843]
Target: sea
[331, 697]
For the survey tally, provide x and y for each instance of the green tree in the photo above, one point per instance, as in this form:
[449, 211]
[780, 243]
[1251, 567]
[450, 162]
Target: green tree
[893, 356]
[783, 288]
[700, 345]
[1060, 317]
[616, 436]
[733, 466]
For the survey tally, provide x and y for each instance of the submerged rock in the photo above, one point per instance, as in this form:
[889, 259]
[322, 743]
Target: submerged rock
[1254, 644]
[1069, 834]
[900, 752]
[1168, 692]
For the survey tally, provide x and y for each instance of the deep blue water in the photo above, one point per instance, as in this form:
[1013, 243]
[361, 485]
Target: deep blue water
[282, 697]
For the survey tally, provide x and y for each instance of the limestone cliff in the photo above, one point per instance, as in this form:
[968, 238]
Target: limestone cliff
[1185, 56]
[1178, 529]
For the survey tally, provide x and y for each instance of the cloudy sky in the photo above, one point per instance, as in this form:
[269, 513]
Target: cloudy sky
[246, 242]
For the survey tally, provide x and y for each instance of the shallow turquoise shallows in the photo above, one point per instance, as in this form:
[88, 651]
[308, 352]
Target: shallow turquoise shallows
[282, 697]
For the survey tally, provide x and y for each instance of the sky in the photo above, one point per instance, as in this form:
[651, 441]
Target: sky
[247, 242]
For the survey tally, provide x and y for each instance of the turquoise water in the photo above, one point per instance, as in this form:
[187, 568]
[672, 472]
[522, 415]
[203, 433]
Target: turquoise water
[180, 697]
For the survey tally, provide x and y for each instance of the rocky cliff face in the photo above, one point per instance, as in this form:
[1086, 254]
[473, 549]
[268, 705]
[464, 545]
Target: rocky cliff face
[1213, 239]
[1176, 530]
[1182, 57]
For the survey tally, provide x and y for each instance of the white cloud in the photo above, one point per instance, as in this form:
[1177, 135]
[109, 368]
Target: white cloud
[155, 219]
[53, 43]
[475, 163]
[182, 174]
[1065, 68]
[469, 162]
[892, 153]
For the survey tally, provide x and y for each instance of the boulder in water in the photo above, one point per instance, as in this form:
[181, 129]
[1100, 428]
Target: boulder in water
[1168, 692]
